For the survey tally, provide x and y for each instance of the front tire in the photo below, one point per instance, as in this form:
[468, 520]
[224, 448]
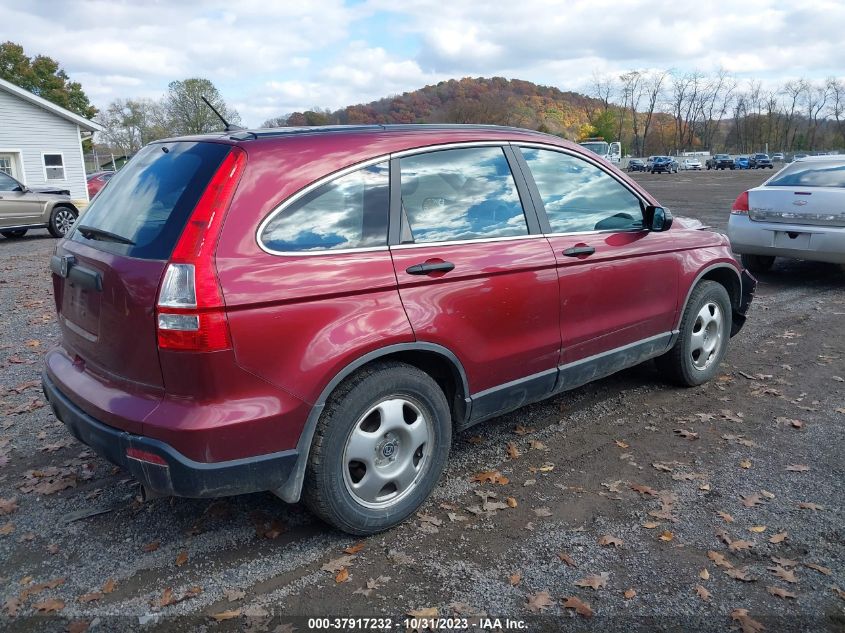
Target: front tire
[379, 448]
[13, 233]
[61, 221]
[758, 263]
[703, 338]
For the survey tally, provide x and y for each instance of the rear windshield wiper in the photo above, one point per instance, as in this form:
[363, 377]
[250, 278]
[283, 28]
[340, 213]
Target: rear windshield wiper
[99, 234]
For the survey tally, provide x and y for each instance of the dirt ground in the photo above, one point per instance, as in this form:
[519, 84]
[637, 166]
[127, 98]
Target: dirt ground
[644, 506]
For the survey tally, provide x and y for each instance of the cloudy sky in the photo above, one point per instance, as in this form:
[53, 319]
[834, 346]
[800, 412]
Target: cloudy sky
[270, 57]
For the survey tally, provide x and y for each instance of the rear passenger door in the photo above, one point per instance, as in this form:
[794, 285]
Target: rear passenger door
[475, 274]
[618, 282]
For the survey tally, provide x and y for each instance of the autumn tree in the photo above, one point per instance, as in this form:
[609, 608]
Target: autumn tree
[129, 124]
[44, 77]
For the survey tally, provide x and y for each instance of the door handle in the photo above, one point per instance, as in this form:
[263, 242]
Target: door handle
[426, 268]
[577, 251]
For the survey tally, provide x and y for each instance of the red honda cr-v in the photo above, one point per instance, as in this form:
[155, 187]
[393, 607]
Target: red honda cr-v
[315, 311]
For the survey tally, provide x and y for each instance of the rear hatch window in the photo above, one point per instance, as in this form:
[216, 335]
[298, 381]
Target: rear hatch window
[146, 205]
[811, 174]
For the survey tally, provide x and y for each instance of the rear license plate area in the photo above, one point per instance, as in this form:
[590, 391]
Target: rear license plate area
[81, 310]
[792, 240]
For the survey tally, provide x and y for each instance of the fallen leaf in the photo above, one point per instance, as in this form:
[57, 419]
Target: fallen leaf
[746, 623]
[539, 602]
[151, 547]
[687, 435]
[725, 516]
[780, 593]
[644, 490]
[511, 502]
[566, 558]
[818, 568]
[838, 591]
[91, 597]
[543, 512]
[514, 579]
[704, 574]
[593, 581]
[702, 593]
[490, 477]
[11, 606]
[739, 574]
[426, 612]
[513, 450]
[581, 608]
[521, 430]
[797, 468]
[757, 529]
[662, 467]
[608, 540]
[784, 562]
[7, 528]
[745, 463]
[354, 549]
[719, 559]
[342, 576]
[666, 536]
[749, 501]
[650, 525]
[181, 558]
[334, 566]
[109, 585]
[777, 538]
[740, 545]
[226, 615]
[784, 574]
[78, 626]
[476, 440]
[7, 506]
[234, 594]
[629, 593]
[622, 444]
[49, 606]
[424, 518]
[804, 505]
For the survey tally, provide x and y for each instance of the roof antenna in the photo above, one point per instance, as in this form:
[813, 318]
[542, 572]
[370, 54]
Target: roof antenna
[229, 127]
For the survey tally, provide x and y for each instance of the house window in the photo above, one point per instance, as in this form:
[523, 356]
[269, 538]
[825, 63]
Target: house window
[54, 167]
[6, 165]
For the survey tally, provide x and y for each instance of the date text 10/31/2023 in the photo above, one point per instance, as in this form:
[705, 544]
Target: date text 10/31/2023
[417, 623]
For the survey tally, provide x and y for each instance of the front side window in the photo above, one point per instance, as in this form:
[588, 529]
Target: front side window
[578, 196]
[54, 166]
[7, 183]
[460, 194]
[348, 212]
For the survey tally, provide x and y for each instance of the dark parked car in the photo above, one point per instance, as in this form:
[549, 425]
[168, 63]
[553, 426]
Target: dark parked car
[636, 164]
[760, 161]
[315, 312]
[719, 161]
[664, 164]
[97, 181]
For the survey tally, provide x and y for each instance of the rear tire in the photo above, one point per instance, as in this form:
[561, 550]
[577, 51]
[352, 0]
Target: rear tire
[758, 263]
[396, 420]
[13, 233]
[703, 338]
[61, 221]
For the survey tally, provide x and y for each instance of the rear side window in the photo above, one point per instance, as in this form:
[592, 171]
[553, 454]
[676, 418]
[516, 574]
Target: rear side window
[348, 212]
[150, 199]
[811, 174]
[578, 196]
[460, 194]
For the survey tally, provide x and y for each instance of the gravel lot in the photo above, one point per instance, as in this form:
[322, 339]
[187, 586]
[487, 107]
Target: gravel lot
[673, 503]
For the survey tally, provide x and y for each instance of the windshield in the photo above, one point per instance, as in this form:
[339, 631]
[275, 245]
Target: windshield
[811, 174]
[597, 147]
[147, 203]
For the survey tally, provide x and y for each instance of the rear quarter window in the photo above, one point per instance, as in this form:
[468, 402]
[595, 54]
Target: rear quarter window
[149, 200]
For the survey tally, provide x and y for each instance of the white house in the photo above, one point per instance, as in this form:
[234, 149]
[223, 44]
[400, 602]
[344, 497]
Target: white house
[41, 143]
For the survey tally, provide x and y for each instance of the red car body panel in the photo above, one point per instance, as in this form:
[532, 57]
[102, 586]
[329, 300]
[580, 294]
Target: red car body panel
[510, 309]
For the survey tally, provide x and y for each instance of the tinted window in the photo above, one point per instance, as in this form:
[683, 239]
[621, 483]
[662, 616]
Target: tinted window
[578, 196]
[460, 194]
[811, 174]
[7, 183]
[152, 197]
[348, 212]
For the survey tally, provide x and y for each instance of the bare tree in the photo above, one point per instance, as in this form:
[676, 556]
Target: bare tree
[654, 93]
[836, 87]
[815, 98]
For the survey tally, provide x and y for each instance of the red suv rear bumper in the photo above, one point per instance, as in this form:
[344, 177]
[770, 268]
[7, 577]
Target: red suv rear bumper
[163, 469]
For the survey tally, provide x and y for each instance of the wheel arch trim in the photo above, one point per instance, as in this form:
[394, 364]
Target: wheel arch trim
[701, 274]
[292, 488]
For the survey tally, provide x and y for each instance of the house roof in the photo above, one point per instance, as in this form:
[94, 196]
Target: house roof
[26, 95]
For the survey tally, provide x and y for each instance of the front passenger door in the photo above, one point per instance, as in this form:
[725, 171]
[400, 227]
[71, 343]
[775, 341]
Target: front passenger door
[618, 281]
[17, 207]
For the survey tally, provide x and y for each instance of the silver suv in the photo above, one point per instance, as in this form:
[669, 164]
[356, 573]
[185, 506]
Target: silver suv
[22, 208]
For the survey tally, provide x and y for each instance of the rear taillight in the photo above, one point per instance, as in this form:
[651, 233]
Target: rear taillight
[740, 205]
[191, 314]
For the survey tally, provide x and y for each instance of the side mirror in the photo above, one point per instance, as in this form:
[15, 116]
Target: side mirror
[657, 219]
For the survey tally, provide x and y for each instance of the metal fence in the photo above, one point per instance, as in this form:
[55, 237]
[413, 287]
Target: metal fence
[104, 161]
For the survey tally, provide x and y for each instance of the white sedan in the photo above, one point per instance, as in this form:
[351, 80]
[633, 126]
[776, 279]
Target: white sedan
[691, 163]
[797, 213]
